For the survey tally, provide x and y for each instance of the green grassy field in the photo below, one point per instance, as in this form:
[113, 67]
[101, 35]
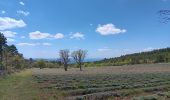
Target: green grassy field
[18, 86]
[138, 82]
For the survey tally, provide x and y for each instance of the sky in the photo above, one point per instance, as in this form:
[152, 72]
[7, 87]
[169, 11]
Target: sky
[105, 28]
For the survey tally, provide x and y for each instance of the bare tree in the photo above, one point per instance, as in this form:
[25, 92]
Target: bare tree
[64, 57]
[164, 15]
[79, 56]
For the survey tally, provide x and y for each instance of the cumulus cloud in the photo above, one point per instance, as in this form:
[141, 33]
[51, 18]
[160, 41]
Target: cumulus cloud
[39, 35]
[10, 23]
[21, 3]
[27, 44]
[9, 34]
[77, 35]
[25, 13]
[59, 36]
[109, 29]
[10, 40]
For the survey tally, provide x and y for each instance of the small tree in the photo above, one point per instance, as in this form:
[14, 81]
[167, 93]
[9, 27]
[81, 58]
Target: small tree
[64, 58]
[79, 56]
[3, 41]
[41, 64]
[17, 62]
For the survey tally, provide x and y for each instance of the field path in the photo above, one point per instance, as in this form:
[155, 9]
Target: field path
[18, 86]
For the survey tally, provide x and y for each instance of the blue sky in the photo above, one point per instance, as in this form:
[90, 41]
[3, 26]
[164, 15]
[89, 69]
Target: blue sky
[106, 28]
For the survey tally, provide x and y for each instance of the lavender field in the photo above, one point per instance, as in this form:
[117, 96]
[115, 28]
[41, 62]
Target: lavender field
[137, 82]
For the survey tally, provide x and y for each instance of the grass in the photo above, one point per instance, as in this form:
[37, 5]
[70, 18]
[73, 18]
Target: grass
[103, 84]
[18, 86]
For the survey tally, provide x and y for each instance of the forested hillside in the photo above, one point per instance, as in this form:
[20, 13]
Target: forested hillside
[155, 56]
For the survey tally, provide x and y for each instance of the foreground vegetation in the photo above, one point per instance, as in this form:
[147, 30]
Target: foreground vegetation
[149, 84]
[18, 86]
[10, 59]
[138, 82]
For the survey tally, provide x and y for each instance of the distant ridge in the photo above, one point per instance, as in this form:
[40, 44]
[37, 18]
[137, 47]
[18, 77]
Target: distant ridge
[154, 56]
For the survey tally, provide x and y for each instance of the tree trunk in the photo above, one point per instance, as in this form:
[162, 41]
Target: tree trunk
[1, 67]
[6, 62]
[80, 67]
[65, 67]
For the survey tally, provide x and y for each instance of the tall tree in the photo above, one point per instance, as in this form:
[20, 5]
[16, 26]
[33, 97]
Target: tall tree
[13, 50]
[3, 41]
[79, 56]
[64, 58]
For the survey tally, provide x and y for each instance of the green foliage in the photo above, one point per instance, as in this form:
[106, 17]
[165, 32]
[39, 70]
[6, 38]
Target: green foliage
[40, 64]
[17, 62]
[3, 41]
[10, 58]
[155, 56]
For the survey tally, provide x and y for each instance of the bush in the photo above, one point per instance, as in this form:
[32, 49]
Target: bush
[40, 64]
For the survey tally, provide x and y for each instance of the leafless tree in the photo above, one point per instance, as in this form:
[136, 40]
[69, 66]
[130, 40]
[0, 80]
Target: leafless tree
[164, 15]
[64, 58]
[79, 56]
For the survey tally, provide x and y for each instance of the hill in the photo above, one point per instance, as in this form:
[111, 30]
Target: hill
[155, 56]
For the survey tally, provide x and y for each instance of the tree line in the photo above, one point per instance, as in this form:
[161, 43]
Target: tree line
[155, 56]
[64, 60]
[10, 59]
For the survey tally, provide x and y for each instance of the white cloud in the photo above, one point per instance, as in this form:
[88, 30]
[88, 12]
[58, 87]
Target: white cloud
[46, 44]
[77, 35]
[9, 34]
[59, 36]
[39, 35]
[104, 50]
[3, 12]
[25, 13]
[10, 23]
[21, 3]
[28, 44]
[10, 40]
[34, 44]
[109, 29]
